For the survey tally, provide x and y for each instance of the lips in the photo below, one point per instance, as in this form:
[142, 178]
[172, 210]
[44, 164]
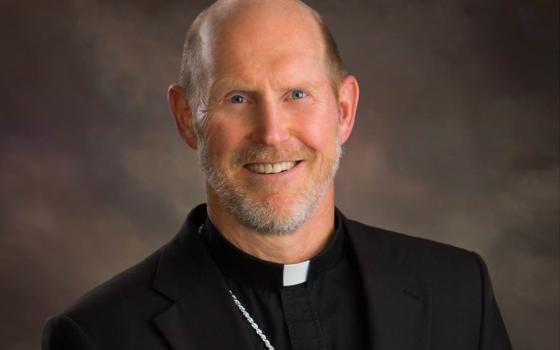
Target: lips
[270, 168]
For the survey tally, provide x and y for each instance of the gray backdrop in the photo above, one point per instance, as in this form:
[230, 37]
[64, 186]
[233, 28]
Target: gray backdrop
[456, 140]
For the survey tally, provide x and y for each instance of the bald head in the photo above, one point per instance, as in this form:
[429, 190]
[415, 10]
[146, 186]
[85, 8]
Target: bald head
[245, 27]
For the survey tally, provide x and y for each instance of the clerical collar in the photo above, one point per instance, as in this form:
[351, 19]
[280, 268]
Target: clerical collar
[255, 272]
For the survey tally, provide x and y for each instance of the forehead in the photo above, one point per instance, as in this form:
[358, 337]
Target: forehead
[263, 41]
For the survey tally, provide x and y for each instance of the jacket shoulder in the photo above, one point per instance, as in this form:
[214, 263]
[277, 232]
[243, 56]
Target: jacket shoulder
[119, 291]
[425, 257]
[119, 310]
[457, 281]
[63, 333]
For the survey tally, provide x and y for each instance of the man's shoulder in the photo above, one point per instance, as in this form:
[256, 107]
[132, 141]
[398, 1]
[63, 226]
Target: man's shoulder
[452, 283]
[424, 256]
[118, 310]
[119, 292]
[400, 240]
[137, 283]
[121, 310]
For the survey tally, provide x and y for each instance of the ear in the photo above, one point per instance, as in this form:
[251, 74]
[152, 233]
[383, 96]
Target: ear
[348, 96]
[181, 111]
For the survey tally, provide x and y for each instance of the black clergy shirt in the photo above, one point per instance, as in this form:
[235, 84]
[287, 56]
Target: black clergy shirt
[326, 311]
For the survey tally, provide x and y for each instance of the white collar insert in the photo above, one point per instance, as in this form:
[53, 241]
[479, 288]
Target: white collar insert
[295, 273]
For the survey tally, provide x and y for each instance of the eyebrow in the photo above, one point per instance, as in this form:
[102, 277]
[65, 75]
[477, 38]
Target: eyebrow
[230, 84]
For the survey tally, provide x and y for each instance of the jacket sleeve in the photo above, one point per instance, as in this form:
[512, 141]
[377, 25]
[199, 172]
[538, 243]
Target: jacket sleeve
[493, 334]
[63, 333]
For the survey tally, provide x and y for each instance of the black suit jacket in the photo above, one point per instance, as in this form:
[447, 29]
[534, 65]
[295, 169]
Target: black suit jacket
[419, 295]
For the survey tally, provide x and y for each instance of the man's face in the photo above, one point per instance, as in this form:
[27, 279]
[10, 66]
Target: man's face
[268, 140]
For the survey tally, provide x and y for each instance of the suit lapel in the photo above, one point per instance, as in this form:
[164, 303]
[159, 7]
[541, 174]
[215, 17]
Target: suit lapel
[202, 315]
[398, 302]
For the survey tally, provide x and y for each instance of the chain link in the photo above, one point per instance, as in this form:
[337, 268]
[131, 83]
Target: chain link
[252, 322]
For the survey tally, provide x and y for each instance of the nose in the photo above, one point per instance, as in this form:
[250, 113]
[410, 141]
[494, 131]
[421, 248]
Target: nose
[271, 126]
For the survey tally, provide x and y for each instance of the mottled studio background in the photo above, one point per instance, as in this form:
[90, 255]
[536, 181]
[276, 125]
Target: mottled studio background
[456, 140]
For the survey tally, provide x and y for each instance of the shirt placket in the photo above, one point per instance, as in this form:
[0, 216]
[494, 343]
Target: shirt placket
[302, 320]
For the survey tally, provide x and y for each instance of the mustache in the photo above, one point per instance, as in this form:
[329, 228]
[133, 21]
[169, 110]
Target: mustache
[269, 154]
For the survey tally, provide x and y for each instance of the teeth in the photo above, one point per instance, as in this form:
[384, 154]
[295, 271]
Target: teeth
[270, 168]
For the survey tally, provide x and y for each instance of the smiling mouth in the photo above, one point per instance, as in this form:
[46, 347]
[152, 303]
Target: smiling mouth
[271, 168]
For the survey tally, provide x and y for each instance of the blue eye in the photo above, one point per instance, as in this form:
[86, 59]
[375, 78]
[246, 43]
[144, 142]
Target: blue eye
[297, 94]
[237, 99]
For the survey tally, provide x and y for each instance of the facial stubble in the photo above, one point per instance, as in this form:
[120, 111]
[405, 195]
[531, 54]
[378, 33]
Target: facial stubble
[261, 215]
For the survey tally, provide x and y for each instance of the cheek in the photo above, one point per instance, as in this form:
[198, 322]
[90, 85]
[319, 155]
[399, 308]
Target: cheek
[317, 126]
[223, 135]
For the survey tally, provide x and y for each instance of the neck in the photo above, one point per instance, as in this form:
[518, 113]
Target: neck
[295, 247]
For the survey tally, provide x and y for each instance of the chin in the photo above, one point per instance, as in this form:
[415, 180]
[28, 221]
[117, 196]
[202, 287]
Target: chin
[275, 209]
[274, 215]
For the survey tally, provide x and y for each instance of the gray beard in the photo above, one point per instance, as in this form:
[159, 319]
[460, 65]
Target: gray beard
[260, 215]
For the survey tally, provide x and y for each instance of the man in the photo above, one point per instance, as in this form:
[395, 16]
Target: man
[269, 263]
